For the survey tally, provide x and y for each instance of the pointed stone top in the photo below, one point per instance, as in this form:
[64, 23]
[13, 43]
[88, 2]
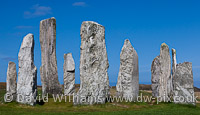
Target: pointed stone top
[70, 64]
[52, 18]
[67, 54]
[29, 34]
[10, 63]
[127, 43]
[27, 41]
[164, 46]
[128, 48]
[173, 51]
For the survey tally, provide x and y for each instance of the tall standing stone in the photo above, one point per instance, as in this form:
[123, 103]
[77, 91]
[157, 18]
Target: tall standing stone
[69, 74]
[166, 77]
[94, 87]
[11, 83]
[161, 74]
[183, 84]
[174, 63]
[48, 69]
[155, 76]
[27, 73]
[128, 78]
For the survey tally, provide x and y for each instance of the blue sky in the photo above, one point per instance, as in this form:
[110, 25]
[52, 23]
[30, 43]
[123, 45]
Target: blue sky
[146, 23]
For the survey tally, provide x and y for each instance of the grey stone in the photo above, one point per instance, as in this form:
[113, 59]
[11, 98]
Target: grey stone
[183, 84]
[27, 73]
[166, 79]
[69, 74]
[94, 87]
[48, 69]
[161, 74]
[128, 77]
[174, 63]
[11, 83]
[155, 79]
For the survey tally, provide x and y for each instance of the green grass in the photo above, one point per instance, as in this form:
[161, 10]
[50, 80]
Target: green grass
[52, 108]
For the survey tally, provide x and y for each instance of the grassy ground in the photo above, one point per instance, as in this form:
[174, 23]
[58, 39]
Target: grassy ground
[109, 108]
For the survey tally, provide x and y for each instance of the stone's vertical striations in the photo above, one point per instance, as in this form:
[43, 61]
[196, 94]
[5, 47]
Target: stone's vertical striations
[155, 79]
[69, 74]
[128, 78]
[11, 83]
[183, 84]
[161, 74]
[94, 85]
[174, 63]
[48, 69]
[27, 73]
[166, 78]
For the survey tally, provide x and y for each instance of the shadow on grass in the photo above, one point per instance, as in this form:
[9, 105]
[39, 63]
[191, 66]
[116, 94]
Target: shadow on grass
[40, 102]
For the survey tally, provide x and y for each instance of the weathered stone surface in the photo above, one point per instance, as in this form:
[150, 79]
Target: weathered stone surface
[161, 74]
[166, 79]
[128, 77]
[155, 76]
[183, 84]
[11, 83]
[94, 85]
[27, 73]
[69, 74]
[48, 70]
[174, 63]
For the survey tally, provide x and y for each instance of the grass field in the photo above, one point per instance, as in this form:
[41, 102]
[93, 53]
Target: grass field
[52, 107]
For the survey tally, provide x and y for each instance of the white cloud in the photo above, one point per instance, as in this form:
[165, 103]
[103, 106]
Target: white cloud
[37, 11]
[82, 4]
[24, 27]
[7, 58]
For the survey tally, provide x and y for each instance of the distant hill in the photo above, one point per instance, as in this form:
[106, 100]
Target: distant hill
[196, 89]
[145, 87]
[2, 85]
[142, 87]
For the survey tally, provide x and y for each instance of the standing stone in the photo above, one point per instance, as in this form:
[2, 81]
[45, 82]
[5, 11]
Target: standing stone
[174, 63]
[155, 79]
[69, 74]
[128, 78]
[166, 80]
[11, 84]
[27, 74]
[94, 87]
[183, 84]
[48, 70]
[161, 74]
